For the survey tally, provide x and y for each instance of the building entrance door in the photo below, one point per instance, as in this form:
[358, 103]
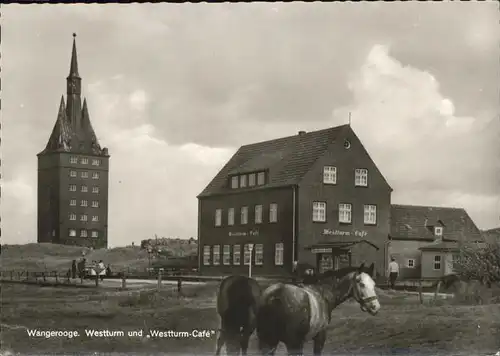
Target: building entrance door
[325, 262]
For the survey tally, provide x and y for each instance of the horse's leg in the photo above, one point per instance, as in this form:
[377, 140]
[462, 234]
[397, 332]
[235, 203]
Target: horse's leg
[245, 338]
[295, 348]
[221, 338]
[319, 343]
[267, 349]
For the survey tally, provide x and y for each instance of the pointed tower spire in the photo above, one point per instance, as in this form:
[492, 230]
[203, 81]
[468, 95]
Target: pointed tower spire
[60, 138]
[73, 69]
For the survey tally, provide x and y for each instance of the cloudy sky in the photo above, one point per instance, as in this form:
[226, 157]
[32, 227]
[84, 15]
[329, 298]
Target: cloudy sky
[174, 89]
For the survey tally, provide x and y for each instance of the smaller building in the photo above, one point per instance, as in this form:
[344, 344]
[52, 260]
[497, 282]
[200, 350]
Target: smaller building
[424, 239]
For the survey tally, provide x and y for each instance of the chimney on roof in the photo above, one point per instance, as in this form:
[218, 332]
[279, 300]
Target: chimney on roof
[302, 133]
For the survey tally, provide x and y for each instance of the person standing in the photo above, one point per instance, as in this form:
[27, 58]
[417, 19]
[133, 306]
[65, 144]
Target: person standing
[393, 272]
[73, 269]
[101, 269]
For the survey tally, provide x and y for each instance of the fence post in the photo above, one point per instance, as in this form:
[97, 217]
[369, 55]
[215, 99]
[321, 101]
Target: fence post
[124, 281]
[179, 286]
[11, 275]
[57, 277]
[159, 279]
[437, 291]
[420, 296]
[44, 277]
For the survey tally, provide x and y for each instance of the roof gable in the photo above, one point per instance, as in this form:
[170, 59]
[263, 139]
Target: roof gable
[286, 160]
[412, 222]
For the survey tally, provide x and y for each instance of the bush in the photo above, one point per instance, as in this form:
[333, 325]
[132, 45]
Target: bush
[479, 261]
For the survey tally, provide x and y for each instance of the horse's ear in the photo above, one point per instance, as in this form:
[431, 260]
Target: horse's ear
[371, 269]
[361, 268]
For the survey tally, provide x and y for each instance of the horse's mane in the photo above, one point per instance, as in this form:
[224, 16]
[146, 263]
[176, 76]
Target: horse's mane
[340, 273]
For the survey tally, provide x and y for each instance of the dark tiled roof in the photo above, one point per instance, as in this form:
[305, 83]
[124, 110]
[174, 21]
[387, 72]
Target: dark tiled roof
[286, 159]
[492, 233]
[440, 246]
[416, 223]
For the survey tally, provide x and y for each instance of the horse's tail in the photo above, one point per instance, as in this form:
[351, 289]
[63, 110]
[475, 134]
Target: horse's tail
[270, 321]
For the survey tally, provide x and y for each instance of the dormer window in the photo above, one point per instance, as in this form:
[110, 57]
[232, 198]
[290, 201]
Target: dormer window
[261, 178]
[248, 180]
[438, 231]
[251, 180]
[234, 182]
[243, 181]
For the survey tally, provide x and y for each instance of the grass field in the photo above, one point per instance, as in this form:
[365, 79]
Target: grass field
[403, 326]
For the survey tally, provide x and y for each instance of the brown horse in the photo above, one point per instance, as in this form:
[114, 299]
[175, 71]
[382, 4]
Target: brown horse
[296, 314]
[237, 302]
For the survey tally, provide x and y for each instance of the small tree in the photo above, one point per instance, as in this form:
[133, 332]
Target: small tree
[479, 261]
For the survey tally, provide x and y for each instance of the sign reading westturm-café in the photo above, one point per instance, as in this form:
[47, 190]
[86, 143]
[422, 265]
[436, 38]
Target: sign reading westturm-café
[334, 232]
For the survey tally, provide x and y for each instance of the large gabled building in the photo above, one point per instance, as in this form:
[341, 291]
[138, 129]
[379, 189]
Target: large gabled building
[315, 198]
[73, 175]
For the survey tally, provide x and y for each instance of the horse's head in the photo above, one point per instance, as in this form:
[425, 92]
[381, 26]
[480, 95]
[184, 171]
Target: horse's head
[363, 289]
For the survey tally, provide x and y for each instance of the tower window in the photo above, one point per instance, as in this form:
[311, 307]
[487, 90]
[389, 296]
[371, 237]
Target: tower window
[72, 187]
[72, 174]
[95, 203]
[95, 190]
[95, 233]
[72, 202]
[83, 233]
[84, 203]
[84, 189]
[95, 218]
[96, 162]
[72, 233]
[85, 174]
[95, 175]
[84, 161]
[73, 159]
[72, 216]
[83, 217]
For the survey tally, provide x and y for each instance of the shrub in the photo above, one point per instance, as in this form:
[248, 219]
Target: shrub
[479, 261]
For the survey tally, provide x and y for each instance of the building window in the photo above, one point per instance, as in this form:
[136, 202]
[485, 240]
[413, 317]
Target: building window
[361, 177]
[236, 255]
[234, 182]
[261, 178]
[95, 203]
[259, 254]
[273, 212]
[72, 174]
[437, 262]
[218, 217]
[83, 217]
[84, 161]
[85, 174]
[84, 203]
[95, 233]
[95, 218]
[216, 257]
[438, 231]
[319, 211]
[72, 216]
[225, 255]
[230, 216]
[72, 202]
[278, 254]
[72, 187]
[95, 175]
[72, 233]
[243, 181]
[83, 233]
[244, 215]
[370, 217]
[410, 263]
[329, 175]
[258, 214]
[345, 213]
[73, 159]
[206, 255]
[84, 189]
[95, 189]
[96, 162]
[251, 180]
[247, 255]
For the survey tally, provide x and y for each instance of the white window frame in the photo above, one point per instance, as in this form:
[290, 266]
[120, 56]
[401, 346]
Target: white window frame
[72, 232]
[84, 174]
[84, 217]
[258, 214]
[230, 216]
[72, 216]
[95, 175]
[436, 229]
[84, 188]
[412, 264]
[345, 213]
[273, 212]
[247, 255]
[361, 177]
[279, 252]
[218, 217]
[96, 162]
[95, 233]
[370, 214]
[437, 262]
[206, 255]
[252, 180]
[95, 218]
[216, 255]
[329, 175]
[72, 188]
[73, 174]
[259, 254]
[73, 160]
[226, 255]
[235, 180]
[84, 203]
[72, 202]
[84, 160]
[95, 189]
[83, 233]
[95, 203]
[237, 255]
[319, 211]
[243, 181]
[244, 215]
[261, 178]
